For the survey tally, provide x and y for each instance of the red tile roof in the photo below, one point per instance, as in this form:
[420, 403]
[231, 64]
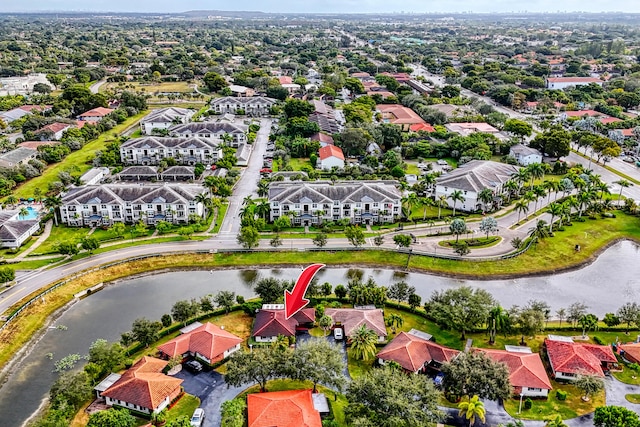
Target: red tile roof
[574, 80]
[144, 385]
[582, 113]
[284, 80]
[97, 112]
[412, 352]
[525, 369]
[35, 144]
[322, 137]
[271, 323]
[631, 350]
[574, 358]
[401, 114]
[209, 340]
[352, 318]
[55, 127]
[293, 408]
[607, 120]
[30, 108]
[422, 127]
[330, 151]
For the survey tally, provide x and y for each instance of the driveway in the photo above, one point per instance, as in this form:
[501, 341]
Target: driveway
[212, 391]
[616, 391]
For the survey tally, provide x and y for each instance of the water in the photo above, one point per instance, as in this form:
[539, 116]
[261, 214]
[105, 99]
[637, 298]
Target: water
[603, 286]
[33, 214]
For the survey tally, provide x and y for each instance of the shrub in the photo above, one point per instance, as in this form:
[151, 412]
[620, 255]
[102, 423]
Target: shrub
[634, 367]
[528, 403]
[560, 395]
[599, 340]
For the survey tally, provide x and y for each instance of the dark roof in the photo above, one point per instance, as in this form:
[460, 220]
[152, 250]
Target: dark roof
[243, 101]
[159, 142]
[478, 175]
[167, 115]
[118, 193]
[207, 127]
[324, 192]
[11, 230]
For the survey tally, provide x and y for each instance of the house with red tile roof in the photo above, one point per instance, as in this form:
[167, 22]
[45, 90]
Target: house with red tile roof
[399, 115]
[527, 374]
[271, 321]
[582, 113]
[143, 387]
[351, 319]
[322, 138]
[53, 131]
[415, 352]
[565, 82]
[291, 408]
[330, 156]
[607, 120]
[95, 115]
[569, 359]
[285, 80]
[465, 129]
[208, 342]
[424, 127]
[630, 352]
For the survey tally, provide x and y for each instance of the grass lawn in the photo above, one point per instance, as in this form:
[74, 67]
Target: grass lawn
[12, 253]
[627, 375]
[337, 406]
[185, 406]
[297, 164]
[79, 161]
[358, 368]
[34, 264]
[222, 211]
[482, 242]
[418, 212]
[151, 88]
[412, 169]
[633, 398]
[573, 407]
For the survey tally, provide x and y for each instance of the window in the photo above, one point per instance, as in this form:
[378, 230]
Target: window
[85, 206]
[149, 206]
[103, 206]
[275, 204]
[314, 206]
[296, 206]
[358, 205]
[375, 205]
[336, 202]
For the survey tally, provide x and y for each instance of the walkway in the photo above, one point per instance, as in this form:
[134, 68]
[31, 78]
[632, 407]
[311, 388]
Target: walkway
[44, 236]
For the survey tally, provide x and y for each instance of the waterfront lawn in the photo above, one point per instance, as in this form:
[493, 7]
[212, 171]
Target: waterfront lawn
[77, 162]
[573, 407]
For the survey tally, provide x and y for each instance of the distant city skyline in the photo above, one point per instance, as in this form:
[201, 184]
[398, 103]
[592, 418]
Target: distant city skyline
[325, 6]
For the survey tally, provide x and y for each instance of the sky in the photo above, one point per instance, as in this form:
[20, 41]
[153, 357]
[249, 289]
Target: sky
[323, 6]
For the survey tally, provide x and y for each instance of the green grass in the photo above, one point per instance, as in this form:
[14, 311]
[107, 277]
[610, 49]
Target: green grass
[432, 212]
[412, 169]
[12, 253]
[78, 162]
[185, 406]
[35, 264]
[222, 212]
[297, 164]
[627, 375]
[358, 368]
[482, 242]
[184, 87]
[573, 407]
[633, 398]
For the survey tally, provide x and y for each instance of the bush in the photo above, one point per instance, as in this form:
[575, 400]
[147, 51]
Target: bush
[599, 340]
[528, 403]
[251, 307]
[634, 367]
[560, 395]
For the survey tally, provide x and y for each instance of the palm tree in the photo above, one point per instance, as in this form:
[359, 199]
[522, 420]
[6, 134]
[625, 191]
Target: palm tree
[394, 321]
[426, 202]
[561, 313]
[472, 409]
[24, 212]
[551, 186]
[556, 422]
[603, 188]
[535, 171]
[263, 209]
[263, 188]
[512, 187]
[623, 183]
[521, 176]
[248, 200]
[53, 202]
[409, 202]
[522, 206]
[589, 384]
[584, 198]
[363, 343]
[540, 230]
[555, 209]
[486, 197]
[11, 200]
[498, 321]
[206, 203]
[539, 192]
[456, 197]
[442, 201]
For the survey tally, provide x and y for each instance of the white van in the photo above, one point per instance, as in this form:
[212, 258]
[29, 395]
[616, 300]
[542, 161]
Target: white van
[337, 334]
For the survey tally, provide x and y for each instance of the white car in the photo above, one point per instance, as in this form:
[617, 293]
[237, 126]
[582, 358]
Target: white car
[197, 418]
[337, 334]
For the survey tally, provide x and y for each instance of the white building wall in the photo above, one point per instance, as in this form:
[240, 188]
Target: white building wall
[330, 162]
[535, 392]
[469, 204]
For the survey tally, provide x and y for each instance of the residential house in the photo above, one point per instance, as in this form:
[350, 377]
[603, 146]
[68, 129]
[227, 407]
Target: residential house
[466, 129]
[241, 91]
[322, 138]
[307, 203]
[419, 87]
[527, 374]
[165, 118]
[19, 112]
[14, 231]
[243, 154]
[470, 179]
[291, 408]
[451, 110]
[95, 115]
[237, 134]
[399, 115]
[270, 322]
[351, 319]
[565, 82]
[330, 156]
[18, 156]
[53, 131]
[143, 387]
[569, 359]
[329, 121]
[415, 352]
[94, 176]
[630, 352]
[150, 150]
[208, 343]
[35, 144]
[582, 114]
[254, 106]
[103, 205]
[525, 155]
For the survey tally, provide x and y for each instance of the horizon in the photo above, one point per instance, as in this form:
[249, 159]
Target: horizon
[327, 7]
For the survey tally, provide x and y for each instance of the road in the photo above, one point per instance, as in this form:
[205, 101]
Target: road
[95, 88]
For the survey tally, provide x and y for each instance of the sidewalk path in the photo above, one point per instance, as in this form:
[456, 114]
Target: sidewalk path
[44, 236]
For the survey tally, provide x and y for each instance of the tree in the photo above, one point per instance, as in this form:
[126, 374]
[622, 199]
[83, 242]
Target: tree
[340, 291]
[320, 240]
[249, 237]
[403, 240]
[529, 319]
[476, 374]
[363, 343]
[270, 290]
[486, 197]
[166, 320]
[225, 299]
[458, 227]
[588, 322]
[456, 196]
[460, 309]
[388, 397]
[259, 366]
[400, 291]
[623, 183]
[355, 235]
[233, 413]
[281, 223]
[589, 384]
[67, 248]
[184, 310]
[471, 409]
[325, 322]
[488, 225]
[522, 205]
[214, 81]
[319, 361]
[561, 313]
[554, 143]
[112, 418]
[145, 331]
[326, 289]
[53, 203]
[118, 228]
[518, 127]
[615, 416]
[72, 388]
[90, 244]
[498, 321]
[414, 301]
[7, 274]
[297, 108]
[576, 310]
[107, 356]
[556, 422]
[611, 319]
[378, 240]
[540, 230]
[629, 313]
[276, 241]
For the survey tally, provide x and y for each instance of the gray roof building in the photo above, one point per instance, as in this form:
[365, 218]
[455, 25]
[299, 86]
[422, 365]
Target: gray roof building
[477, 175]
[17, 156]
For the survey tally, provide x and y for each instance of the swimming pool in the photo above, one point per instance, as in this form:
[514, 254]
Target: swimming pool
[33, 214]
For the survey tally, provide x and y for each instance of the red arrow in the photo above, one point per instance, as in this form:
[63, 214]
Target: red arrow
[295, 301]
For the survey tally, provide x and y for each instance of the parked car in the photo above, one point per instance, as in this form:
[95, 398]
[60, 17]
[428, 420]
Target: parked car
[193, 366]
[265, 170]
[337, 334]
[197, 418]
